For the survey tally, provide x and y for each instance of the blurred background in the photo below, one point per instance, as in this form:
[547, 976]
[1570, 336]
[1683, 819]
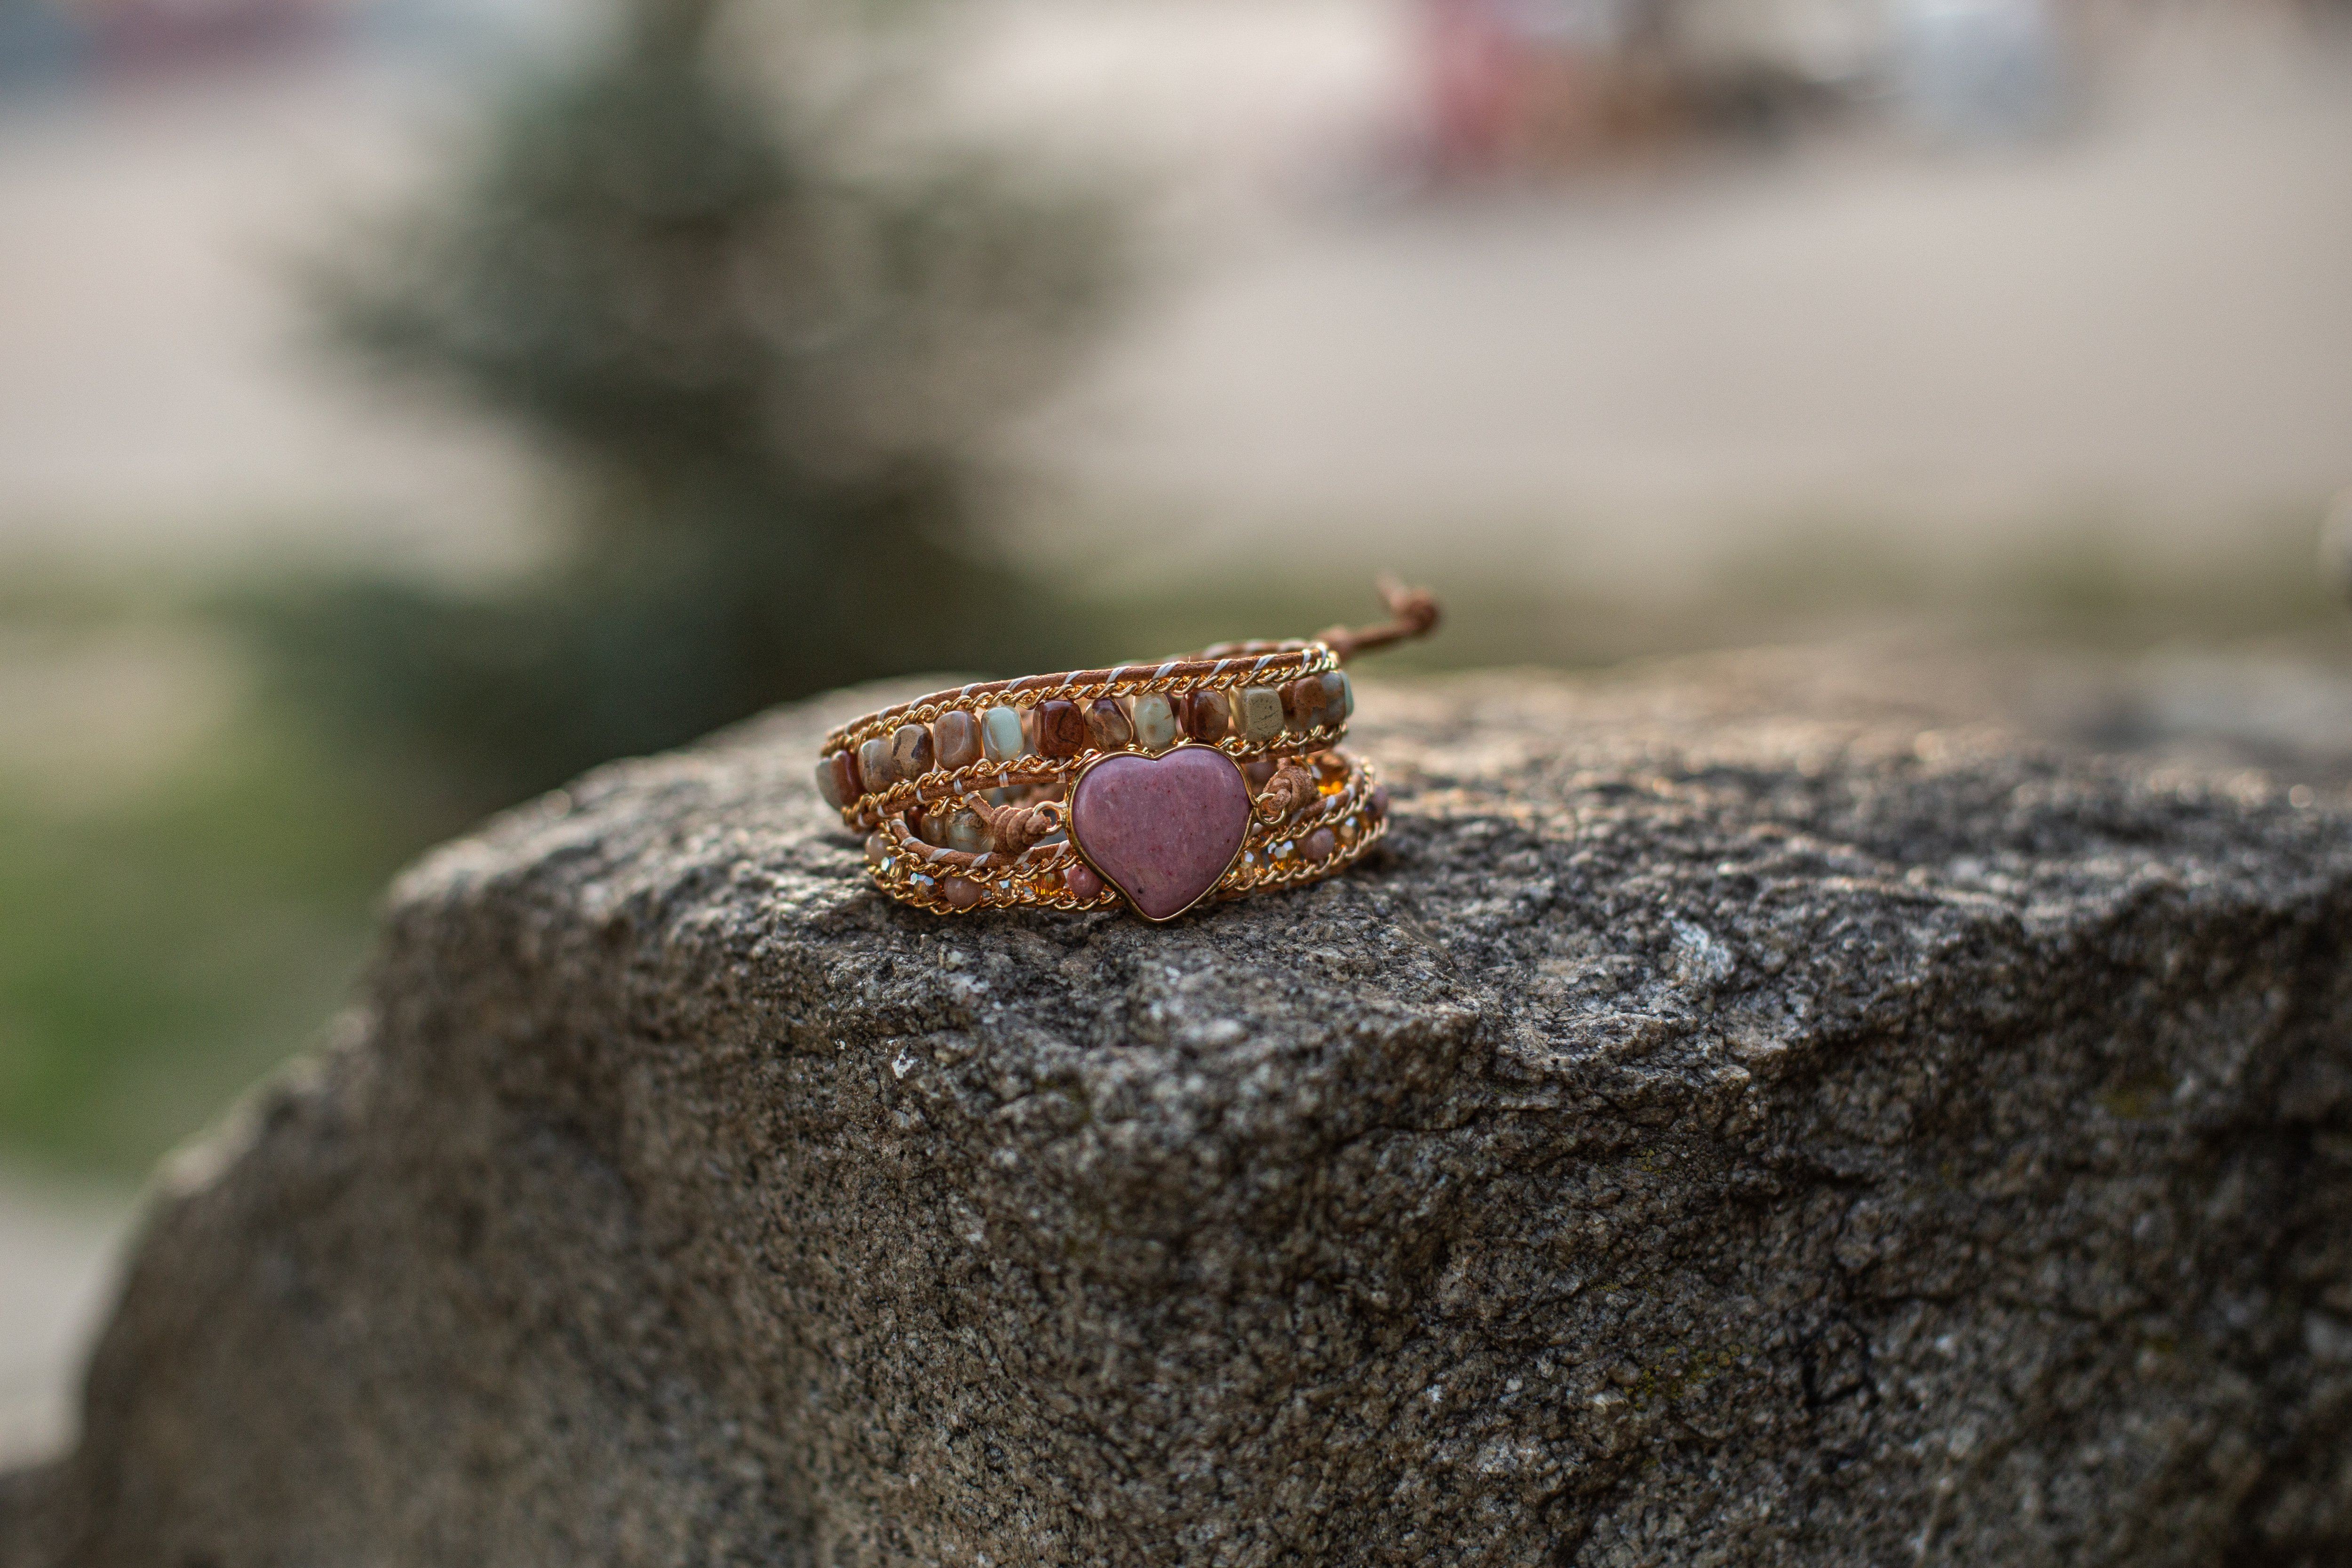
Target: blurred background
[405, 403]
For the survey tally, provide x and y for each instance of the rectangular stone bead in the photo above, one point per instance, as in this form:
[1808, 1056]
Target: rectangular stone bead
[1061, 730]
[874, 765]
[1155, 722]
[1260, 713]
[968, 833]
[836, 779]
[955, 741]
[1302, 702]
[1208, 716]
[1339, 698]
[1106, 725]
[1001, 740]
[910, 751]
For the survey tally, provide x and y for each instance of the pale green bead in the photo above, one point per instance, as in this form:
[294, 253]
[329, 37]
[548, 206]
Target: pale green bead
[1155, 722]
[968, 833]
[1000, 736]
[1339, 698]
[1258, 715]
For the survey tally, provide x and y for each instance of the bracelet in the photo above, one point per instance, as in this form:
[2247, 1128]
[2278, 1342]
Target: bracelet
[1207, 776]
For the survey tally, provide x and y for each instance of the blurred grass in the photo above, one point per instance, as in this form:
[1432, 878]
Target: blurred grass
[161, 948]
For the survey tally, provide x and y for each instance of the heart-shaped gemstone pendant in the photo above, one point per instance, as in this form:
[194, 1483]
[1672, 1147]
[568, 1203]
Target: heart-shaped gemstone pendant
[1162, 830]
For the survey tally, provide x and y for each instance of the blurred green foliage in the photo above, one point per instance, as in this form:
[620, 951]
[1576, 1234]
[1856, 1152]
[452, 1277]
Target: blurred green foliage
[766, 354]
[159, 951]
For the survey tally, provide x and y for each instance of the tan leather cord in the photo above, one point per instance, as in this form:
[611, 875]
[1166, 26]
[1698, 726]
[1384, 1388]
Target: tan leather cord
[1416, 613]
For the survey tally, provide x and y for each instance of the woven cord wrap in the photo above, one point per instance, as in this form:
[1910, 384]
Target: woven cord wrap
[1013, 830]
[1286, 794]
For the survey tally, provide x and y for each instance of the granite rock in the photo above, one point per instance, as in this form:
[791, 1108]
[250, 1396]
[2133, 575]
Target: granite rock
[1738, 1118]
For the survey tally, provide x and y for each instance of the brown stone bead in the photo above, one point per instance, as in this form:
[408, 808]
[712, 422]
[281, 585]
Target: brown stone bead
[1318, 845]
[1207, 716]
[1061, 730]
[1082, 882]
[1302, 702]
[1107, 725]
[1259, 769]
[828, 782]
[955, 741]
[910, 751]
[878, 848]
[960, 892]
[875, 767]
[1376, 807]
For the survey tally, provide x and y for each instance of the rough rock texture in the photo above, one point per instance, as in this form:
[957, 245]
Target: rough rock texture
[1735, 1122]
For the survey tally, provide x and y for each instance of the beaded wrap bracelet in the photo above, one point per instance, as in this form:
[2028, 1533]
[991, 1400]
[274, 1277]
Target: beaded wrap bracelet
[1207, 776]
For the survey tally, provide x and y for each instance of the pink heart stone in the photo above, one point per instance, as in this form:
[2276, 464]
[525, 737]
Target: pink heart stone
[1162, 830]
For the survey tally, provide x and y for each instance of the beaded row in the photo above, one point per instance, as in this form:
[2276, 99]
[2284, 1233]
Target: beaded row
[935, 754]
[1220, 669]
[1331, 832]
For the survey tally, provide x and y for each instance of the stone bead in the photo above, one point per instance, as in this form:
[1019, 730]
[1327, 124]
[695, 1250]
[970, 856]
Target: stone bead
[878, 848]
[910, 751]
[1376, 807]
[1259, 771]
[1107, 725]
[960, 892]
[1061, 730]
[874, 765]
[932, 827]
[828, 782]
[1259, 715]
[967, 832]
[1313, 700]
[955, 741]
[1339, 698]
[1302, 702]
[1208, 716]
[1082, 882]
[1319, 845]
[1155, 722]
[1001, 740]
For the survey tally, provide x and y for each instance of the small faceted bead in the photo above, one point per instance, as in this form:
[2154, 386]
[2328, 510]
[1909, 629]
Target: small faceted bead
[1082, 882]
[960, 892]
[1155, 722]
[955, 741]
[910, 751]
[1107, 725]
[1061, 730]
[1000, 736]
[874, 765]
[1319, 845]
[1260, 713]
[1208, 716]
[967, 832]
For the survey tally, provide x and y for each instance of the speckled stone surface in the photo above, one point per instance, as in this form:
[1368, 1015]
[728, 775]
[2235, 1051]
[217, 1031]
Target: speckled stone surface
[1740, 1119]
